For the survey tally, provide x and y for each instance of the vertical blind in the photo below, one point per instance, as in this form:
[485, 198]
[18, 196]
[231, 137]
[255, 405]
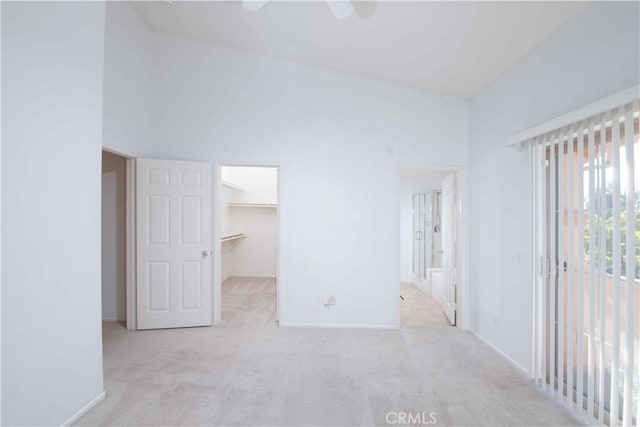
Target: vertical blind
[586, 239]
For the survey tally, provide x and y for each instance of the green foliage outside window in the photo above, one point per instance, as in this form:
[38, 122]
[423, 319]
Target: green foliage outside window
[609, 234]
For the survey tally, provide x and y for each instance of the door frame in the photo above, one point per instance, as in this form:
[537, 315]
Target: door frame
[130, 243]
[217, 235]
[462, 221]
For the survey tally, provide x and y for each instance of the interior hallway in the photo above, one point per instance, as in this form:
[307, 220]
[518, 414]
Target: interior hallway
[232, 375]
[419, 309]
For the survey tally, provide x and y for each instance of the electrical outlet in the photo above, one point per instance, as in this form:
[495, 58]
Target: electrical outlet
[332, 300]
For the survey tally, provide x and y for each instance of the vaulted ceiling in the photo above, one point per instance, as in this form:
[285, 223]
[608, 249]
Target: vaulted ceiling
[451, 48]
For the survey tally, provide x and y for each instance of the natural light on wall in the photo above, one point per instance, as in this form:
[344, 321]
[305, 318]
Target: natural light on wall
[587, 255]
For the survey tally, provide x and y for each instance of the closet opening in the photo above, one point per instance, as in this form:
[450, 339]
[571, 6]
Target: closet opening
[431, 251]
[246, 227]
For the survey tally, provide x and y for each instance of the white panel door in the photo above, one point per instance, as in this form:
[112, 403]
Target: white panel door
[448, 248]
[173, 239]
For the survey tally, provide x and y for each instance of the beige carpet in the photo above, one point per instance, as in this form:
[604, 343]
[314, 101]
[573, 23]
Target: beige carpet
[419, 309]
[248, 302]
[249, 372]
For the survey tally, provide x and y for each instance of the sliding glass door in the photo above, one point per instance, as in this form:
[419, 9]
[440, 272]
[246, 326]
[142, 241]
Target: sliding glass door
[587, 246]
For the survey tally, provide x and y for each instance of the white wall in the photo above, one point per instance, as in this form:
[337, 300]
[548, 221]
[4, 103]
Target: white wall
[114, 214]
[255, 255]
[338, 140]
[413, 181]
[0, 217]
[225, 221]
[52, 130]
[127, 52]
[594, 55]
[258, 184]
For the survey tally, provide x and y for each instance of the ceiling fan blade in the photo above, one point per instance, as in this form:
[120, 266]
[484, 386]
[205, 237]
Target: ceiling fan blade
[342, 9]
[254, 5]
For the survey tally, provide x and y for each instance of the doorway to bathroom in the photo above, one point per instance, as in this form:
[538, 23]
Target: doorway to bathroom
[431, 250]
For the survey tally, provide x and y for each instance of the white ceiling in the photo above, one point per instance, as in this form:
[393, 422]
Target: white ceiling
[451, 48]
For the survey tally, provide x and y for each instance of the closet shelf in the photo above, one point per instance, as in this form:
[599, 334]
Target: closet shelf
[253, 205]
[231, 237]
[232, 186]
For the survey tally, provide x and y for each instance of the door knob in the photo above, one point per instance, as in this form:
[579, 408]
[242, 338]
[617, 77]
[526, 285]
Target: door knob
[206, 253]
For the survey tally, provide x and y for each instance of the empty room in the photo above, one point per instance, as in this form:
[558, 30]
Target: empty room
[319, 213]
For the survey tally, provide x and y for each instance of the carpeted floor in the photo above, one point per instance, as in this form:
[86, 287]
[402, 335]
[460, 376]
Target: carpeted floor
[249, 302]
[419, 309]
[252, 372]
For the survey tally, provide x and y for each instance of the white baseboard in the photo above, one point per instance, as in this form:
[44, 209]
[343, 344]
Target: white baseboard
[337, 326]
[503, 354]
[75, 417]
[571, 410]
